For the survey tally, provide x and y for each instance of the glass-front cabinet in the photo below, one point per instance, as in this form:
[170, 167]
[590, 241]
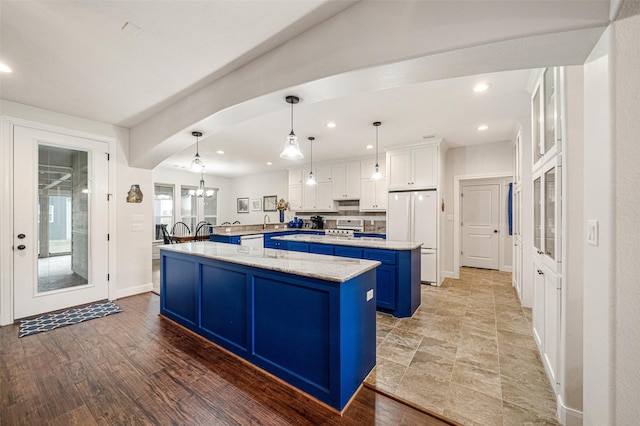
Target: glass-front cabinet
[537, 215]
[546, 116]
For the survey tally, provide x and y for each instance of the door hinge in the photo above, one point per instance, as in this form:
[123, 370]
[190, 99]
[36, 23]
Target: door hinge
[108, 237]
[108, 156]
[108, 276]
[109, 197]
[460, 252]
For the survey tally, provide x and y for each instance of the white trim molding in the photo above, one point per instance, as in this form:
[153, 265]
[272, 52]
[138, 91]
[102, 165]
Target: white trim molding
[7, 124]
[132, 291]
[568, 416]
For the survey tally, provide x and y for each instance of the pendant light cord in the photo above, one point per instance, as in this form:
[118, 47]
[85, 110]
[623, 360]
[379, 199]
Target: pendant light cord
[291, 117]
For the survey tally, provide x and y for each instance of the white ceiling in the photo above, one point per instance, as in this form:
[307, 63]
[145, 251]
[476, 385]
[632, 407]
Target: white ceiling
[124, 62]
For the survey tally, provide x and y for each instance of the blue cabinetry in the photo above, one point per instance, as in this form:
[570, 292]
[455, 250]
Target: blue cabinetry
[316, 335]
[225, 239]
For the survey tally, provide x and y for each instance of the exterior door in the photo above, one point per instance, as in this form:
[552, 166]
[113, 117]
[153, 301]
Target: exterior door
[480, 226]
[60, 212]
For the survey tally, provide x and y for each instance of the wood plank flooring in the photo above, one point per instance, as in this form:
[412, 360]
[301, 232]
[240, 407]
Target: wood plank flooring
[135, 368]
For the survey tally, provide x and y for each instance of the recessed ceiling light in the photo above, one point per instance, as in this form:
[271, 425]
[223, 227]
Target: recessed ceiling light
[269, 163]
[331, 124]
[369, 146]
[481, 87]
[483, 127]
[4, 68]
[220, 152]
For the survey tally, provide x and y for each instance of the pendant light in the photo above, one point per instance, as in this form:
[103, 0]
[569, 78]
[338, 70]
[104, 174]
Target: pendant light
[376, 174]
[200, 190]
[291, 149]
[197, 165]
[312, 179]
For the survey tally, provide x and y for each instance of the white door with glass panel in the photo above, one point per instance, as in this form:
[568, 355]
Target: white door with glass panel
[60, 212]
[480, 226]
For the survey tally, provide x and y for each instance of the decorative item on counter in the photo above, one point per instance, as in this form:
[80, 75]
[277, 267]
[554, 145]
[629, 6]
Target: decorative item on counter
[134, 195]
[296, 223]
[282, 206]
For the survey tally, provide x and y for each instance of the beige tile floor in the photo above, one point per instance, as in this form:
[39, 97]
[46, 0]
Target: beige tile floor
[467, 353]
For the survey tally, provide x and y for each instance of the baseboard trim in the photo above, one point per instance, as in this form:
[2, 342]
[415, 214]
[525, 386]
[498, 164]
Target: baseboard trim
[448, 274]
[566, 415]
[132, 291]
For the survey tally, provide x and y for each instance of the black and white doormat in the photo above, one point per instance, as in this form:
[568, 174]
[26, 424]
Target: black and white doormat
[62, 319]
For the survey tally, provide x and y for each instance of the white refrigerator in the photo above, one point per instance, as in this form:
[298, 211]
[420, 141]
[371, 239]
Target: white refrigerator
[412, 216]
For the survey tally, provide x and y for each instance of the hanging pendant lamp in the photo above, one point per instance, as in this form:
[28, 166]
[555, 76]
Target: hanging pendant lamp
[197, 165]
[312, 179]
[200, 190]
[376, 174]
[291, 149]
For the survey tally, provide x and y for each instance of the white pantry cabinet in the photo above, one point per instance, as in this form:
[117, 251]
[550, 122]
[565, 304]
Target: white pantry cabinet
[413, 168]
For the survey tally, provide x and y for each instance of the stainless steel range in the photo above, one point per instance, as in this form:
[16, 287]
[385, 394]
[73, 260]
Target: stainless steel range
[346, 227]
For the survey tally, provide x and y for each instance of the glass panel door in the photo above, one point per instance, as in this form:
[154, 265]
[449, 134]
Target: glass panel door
[549, 110]
[63, 208]
[537, 210]
[550, 212]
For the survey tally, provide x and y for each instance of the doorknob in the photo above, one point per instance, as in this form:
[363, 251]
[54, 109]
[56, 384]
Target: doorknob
[21, 236]
[495, 231]
[22, 247]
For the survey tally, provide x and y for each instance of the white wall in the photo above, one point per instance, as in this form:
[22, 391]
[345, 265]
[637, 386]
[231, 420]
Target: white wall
[627, 206]
[599, 262]
[257, 186]
[478, 160]
[177, 177]
[130, 269]
[526, 202]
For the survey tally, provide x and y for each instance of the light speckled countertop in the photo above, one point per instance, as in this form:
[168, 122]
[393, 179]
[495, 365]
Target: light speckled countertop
[364, 242]
[263, 231]
[328, 268]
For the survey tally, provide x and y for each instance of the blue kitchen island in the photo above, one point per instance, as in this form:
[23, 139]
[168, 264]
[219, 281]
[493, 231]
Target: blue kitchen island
[397, 278]
[307, 319]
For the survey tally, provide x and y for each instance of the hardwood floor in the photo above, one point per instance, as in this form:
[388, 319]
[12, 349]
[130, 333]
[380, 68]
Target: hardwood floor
[135, 368]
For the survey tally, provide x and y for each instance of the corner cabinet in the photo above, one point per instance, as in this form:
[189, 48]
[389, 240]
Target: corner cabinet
[413, 168]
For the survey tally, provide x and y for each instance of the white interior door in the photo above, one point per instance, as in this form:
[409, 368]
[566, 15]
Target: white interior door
[480, 226]
[60, 212]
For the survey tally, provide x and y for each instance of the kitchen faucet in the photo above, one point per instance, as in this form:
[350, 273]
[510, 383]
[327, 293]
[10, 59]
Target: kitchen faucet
[266, 220]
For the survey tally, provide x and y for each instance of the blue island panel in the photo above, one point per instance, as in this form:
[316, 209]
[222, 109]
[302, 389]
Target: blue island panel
[303, 350]
[224, 305]
[180, 286]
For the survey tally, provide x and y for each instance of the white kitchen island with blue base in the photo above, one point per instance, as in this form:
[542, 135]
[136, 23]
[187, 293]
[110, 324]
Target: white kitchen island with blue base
[307, 319]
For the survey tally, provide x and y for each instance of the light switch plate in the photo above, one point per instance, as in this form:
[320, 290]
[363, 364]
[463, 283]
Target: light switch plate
[369, 295]
[592, 233]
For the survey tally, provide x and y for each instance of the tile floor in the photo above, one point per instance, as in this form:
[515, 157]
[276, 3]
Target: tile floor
[467, 353]
[55, 273]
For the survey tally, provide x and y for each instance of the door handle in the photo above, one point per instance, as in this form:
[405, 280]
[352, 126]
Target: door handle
[22, 247]
[495, 231]
[21, 236]
[540, 272]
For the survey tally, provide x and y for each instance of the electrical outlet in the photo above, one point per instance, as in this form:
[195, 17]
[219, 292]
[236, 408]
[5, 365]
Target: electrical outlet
[369, 295]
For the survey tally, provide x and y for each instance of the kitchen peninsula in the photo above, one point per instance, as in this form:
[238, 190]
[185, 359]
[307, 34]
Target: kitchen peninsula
[397, 278]
[305, 318]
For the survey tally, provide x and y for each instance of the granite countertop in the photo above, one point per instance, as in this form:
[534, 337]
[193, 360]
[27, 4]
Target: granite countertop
[365, 242]
[283, 228]
[328, 268]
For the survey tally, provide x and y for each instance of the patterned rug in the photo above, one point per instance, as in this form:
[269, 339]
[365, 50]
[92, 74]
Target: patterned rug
[62, 319]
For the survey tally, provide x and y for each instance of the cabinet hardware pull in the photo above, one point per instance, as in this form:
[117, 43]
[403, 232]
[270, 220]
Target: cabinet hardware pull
[540, 272]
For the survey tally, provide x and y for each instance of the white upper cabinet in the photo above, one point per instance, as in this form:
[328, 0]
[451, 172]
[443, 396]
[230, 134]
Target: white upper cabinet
[546, 116]
[345, 181]
[295, 176]
[413, 168]
[323, 174]
[373, 195]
